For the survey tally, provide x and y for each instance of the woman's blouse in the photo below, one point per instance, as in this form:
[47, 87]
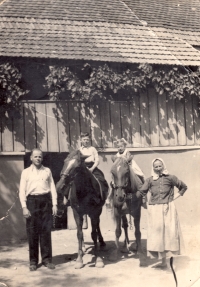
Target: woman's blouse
[162, 189]
[92, 154]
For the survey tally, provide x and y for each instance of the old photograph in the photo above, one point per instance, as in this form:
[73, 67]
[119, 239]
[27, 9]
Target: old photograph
[99, 143]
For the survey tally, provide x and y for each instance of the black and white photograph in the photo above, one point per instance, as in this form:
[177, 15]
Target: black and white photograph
[99, 143]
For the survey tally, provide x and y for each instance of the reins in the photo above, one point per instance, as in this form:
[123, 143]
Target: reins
[101, 192]
[120, 186]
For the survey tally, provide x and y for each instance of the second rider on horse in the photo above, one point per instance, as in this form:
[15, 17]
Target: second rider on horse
[134, 168]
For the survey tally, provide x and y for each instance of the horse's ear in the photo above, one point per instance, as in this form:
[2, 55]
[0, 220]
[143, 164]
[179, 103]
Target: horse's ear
[113, 157]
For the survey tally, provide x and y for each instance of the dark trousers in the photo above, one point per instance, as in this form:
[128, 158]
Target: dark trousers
[38, 227]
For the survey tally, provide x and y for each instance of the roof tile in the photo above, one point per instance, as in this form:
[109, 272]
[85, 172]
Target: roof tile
[102, 42]
[101, 30]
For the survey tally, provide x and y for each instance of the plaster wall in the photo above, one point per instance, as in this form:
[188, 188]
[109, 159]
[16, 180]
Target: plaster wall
[184, 164]
[12, 224]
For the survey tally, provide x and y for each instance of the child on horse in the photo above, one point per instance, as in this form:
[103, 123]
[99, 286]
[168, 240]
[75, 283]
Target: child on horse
[92, 161]
[163, 233]
[134, 168]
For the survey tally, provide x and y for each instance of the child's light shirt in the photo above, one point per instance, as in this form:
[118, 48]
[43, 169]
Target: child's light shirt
[125, 154]
[92, 154]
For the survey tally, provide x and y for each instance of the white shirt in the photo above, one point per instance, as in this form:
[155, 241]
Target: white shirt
[35, 182]
[92, 154]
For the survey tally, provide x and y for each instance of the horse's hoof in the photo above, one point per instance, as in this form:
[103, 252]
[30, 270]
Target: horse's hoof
[134, 248]
[124, 249]
[78, 265]
[99, 263]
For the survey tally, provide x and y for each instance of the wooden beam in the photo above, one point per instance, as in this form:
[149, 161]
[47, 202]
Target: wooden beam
[52, 127]
[126, 123]
[153, 117]
[41, 126]
[63, 126]
[95, 124]
[135, 121]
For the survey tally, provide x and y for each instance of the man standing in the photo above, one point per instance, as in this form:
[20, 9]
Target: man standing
[37, 194]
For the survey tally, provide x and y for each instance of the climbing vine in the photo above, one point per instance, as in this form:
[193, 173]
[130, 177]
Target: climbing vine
[10, 90]
[102, 82]
[176, 82]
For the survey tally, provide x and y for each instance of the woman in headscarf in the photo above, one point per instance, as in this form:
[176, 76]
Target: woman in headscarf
[163, 233]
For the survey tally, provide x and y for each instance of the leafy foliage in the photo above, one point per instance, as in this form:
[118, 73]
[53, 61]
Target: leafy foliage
[61, 79]
[177, 82]
[100, 82]
[10, 90]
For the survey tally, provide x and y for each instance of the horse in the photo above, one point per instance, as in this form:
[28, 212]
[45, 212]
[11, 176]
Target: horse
[84, 192]
[125, 202]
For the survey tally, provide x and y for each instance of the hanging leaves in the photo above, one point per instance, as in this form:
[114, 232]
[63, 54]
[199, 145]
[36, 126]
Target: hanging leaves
[10, 90]
[102, 81]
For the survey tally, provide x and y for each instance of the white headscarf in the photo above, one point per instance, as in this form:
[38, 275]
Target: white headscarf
[154, 174]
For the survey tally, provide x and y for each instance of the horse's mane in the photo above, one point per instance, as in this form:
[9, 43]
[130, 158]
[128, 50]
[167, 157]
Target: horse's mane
[83, 177]
[73, 154]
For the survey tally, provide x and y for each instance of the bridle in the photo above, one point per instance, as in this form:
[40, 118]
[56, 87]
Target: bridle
[124, 187]
[126, 196]
[115, 186]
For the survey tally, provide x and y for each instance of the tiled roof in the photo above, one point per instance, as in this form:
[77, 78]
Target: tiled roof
[105, 31]
[114, 11]
[180, 17]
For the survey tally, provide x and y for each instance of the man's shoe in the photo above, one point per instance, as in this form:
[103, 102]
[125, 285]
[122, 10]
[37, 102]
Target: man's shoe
[33, 268]
[49, 265]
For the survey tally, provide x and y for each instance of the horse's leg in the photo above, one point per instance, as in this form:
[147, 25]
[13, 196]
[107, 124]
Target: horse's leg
[60, 185]
[142, 256]
[83, 245]
[99, 235]
[137, 232]
[126, 241]
[118, 231]
[79, 222]
[94, 222]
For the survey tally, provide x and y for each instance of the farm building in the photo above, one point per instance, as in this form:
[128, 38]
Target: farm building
[87, 37]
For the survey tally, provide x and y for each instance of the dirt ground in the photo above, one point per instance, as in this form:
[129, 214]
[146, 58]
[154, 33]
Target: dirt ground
[14, 267]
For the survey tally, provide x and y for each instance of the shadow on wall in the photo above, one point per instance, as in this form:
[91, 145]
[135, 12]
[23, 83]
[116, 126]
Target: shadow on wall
[12, 224]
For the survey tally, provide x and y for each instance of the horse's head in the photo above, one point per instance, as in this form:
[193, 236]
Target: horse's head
[73, 161]
[121, 179]
[71, 164]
